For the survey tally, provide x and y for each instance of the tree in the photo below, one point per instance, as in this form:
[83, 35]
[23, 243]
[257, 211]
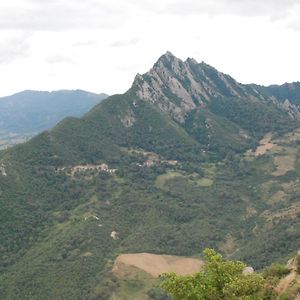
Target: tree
[220, 280]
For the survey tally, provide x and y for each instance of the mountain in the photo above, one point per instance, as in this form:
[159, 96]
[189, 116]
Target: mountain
[287, 96]
[187, 158]
[286, 91]
[188, 90]
[27, 113]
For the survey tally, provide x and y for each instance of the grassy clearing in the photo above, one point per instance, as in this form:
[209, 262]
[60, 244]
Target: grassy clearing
[155, 264]
[205, 182]
[163, 179]
[284, 164]
[209, 169]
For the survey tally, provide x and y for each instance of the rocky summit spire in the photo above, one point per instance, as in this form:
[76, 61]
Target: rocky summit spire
[191, 60]
[169, 55]
[177, 86]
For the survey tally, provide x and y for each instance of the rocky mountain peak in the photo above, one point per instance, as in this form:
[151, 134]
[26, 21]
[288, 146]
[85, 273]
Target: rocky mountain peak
[177, 86]
[169, 63]
[191, 60]
[168, 56]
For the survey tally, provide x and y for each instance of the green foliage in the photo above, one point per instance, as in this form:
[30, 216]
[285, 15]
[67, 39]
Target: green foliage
[157, 293]
[290, 91]
[254, 116]
[220, 279]
[48, 231]
[291, 293]
[215, 133]
[276, 271]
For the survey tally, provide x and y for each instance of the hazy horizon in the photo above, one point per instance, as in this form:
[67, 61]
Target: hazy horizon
[100, 46]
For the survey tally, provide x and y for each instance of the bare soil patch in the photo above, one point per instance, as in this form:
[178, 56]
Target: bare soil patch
[156, 265]
[264, 145]
[286, 282]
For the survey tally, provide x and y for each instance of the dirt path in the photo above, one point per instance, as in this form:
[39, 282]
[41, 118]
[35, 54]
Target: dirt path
[155, 265]
[286, 282]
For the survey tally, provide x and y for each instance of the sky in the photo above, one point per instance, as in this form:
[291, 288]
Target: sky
[100, 46]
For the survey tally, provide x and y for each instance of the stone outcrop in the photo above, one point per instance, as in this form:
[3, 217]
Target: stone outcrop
[177, 86]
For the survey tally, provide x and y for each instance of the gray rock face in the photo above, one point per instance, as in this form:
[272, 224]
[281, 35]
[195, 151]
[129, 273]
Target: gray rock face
[248, 271]
[177, 86]
[292, 109]
[128, 119]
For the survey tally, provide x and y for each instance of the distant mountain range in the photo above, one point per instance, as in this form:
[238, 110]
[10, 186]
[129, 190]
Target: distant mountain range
[187, 158]
[27, 113]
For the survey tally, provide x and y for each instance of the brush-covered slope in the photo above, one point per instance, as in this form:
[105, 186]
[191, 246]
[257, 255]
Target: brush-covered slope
[30, 112]
[286, 95]
[288, 287]
[153, 170]
[286, 91]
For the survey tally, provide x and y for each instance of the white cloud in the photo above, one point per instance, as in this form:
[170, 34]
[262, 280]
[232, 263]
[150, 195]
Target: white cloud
[14, 48]
[100, 45]
[58, 59]
[125, 43]
[39, 15]
[217, 7]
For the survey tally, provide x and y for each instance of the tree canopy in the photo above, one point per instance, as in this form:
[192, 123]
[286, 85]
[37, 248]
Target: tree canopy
[219, 279]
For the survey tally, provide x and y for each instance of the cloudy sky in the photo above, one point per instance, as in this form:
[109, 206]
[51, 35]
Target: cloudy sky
[100, 45]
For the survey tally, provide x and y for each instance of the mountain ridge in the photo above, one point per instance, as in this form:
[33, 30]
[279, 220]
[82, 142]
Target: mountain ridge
[191, 85]
[27, 113]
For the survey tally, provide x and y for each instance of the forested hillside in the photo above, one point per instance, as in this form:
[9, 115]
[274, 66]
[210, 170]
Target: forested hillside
[186, 159]
[28, 113]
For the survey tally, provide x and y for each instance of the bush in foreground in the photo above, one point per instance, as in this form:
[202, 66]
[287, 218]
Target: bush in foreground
[220, 280]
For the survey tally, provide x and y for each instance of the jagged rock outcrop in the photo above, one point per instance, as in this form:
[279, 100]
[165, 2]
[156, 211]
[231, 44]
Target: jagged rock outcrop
[177, 86]
[292, 109]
